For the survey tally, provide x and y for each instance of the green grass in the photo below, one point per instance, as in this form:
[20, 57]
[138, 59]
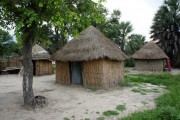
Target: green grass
[66, 118]
[140, 90]
[121, 107]
[97, 112]
[168, 105]
[93, 88]
[54, 68]
[110, 113]
[101, 118]
[86, 119]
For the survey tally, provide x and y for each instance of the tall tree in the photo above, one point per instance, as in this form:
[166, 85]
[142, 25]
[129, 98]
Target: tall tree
[166, 29]
[125, 29]
[28, 15]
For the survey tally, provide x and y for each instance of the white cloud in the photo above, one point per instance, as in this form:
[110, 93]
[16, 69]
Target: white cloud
[139, 12]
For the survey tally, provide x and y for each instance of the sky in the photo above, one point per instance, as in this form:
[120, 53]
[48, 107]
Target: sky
[139, 12]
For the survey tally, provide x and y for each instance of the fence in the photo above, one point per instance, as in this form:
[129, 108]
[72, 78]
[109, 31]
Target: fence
[13, 62]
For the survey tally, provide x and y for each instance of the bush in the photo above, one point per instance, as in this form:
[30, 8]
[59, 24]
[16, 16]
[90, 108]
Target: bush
[129, 63]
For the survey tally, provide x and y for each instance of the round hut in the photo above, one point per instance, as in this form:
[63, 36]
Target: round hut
[90, 60]
[41, 61]
[150, 58]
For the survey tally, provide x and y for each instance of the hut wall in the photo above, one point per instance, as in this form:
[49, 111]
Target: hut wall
[93, 73]
[113, 72]
[62, 72]
[102, 73]
[149, 65]
[43, 67]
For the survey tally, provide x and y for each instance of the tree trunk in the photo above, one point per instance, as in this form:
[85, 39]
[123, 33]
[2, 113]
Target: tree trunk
[28, 70]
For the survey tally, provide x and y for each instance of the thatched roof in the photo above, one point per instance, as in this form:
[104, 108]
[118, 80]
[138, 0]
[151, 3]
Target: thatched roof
[39, 53]
[91, 45]
[150, 51]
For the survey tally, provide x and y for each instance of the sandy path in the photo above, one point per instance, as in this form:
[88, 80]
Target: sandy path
[74, 102]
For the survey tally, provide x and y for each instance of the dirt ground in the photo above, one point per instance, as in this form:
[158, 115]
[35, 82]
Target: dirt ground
[74, 102]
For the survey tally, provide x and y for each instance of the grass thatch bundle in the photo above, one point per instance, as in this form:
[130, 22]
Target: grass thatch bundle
[91, 45]
[150, 51]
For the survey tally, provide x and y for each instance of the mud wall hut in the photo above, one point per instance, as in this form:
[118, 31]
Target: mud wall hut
[41, 61]
[90, 60]
[150, 58]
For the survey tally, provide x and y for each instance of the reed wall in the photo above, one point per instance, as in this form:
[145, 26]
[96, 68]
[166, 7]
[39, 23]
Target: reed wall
[113, 72]
[149, 65]
[98, 73]
[62, 72]
[93, 73]
[43, 67]
[102, 73]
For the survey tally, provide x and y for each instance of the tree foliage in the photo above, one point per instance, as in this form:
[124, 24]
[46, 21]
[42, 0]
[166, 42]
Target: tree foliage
[166, 29]
[7, 45]
[135, 42]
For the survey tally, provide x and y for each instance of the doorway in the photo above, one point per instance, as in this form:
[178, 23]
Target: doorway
[34, 67]
[76, 73]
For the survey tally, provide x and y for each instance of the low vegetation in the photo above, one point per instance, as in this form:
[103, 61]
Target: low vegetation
[101, 118]
[168, 105]
[110, 113]
[54, 68]
[121, 107]
[66, 118]
[93, 88]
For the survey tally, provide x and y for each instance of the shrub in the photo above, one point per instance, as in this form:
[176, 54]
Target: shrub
[129, 63]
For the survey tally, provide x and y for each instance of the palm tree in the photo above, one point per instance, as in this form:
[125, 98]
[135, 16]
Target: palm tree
[166, 29]
[125, 29]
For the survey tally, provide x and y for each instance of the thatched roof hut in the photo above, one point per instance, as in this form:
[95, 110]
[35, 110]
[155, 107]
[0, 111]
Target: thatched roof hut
[91, 60]
[41, 61]
[150, 58]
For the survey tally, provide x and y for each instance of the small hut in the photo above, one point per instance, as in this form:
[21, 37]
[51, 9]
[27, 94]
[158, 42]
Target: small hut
[150, 58]
[41, 61]
[90, 60]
